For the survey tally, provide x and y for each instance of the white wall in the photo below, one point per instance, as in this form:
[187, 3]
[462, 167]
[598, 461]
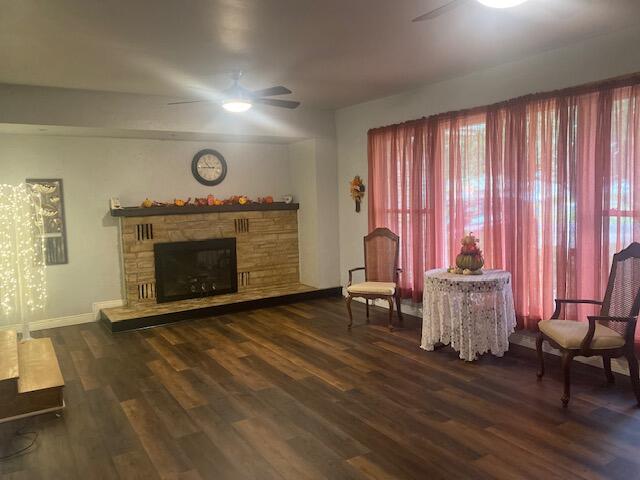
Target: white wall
[327, 240]
[595, 59]
[314, 177]
[302, 166]
[95, 169]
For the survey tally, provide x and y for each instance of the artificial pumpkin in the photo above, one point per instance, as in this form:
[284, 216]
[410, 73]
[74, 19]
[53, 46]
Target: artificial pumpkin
[178, 202]
[469, 261]
[470, 257]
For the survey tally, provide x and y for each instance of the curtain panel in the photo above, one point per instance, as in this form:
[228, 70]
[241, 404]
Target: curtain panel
[548, 182]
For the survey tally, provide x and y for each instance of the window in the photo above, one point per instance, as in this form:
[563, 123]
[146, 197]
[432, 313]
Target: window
[546, 182]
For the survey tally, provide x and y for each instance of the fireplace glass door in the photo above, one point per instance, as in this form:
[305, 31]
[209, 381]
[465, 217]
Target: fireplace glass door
[195, 269]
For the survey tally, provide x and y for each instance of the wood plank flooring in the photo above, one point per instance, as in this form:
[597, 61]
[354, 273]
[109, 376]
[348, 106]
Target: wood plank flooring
[289, 393]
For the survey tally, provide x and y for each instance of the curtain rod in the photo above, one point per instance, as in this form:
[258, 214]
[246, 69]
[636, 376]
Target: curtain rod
[597, 86]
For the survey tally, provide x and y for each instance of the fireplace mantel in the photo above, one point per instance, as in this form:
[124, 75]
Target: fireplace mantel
[193, 209]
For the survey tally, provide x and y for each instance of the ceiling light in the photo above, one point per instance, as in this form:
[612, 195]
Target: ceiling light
[501, 3]
[236, 105]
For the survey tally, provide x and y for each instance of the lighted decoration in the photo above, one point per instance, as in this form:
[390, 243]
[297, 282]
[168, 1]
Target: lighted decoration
[22, 253]
[469, 261]
[501, 3]
[357, 190]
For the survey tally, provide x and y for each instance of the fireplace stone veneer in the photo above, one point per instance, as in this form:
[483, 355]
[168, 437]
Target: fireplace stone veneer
[266, 246]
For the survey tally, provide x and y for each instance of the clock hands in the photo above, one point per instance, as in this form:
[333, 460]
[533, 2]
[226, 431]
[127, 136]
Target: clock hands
[208, 167]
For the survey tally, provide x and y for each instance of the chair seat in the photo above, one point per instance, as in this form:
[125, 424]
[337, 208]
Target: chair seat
[570, 334]
[372, 288]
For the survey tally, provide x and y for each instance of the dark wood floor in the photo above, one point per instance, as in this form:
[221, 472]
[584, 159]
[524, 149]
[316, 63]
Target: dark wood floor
[289, 393]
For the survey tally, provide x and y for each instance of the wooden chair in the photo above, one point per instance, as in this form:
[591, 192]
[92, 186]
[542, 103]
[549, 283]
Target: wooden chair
[381, 252]
[610, 334]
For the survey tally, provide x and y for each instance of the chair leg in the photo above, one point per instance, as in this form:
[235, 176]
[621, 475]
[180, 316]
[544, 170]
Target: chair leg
[606, 362]
[539, 340]
[567, 358]
[400, 319]
[348, 301]
[367, 302]
[390, 300]
[633, 373]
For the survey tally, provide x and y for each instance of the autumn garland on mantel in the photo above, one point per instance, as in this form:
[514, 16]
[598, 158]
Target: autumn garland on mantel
[209, 200]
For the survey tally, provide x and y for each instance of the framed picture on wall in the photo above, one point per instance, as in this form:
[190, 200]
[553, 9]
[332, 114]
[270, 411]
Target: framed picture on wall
[55, 230]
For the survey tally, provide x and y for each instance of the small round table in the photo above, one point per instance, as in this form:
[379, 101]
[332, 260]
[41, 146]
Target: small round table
[473, 313]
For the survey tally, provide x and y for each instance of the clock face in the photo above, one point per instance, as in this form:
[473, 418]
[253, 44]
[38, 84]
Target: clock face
[209, 167]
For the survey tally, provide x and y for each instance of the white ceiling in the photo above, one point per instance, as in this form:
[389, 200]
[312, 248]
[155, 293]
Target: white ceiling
[331, 53]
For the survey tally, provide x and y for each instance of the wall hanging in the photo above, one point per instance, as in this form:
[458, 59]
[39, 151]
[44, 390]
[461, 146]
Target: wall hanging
[357, 191]
[55, 231]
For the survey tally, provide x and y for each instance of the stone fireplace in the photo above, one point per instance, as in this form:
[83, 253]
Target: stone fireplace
[195, 269]
[265, 238]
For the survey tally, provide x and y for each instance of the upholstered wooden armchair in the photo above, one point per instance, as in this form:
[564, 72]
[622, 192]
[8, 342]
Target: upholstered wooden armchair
[610, 334]
[381, 252]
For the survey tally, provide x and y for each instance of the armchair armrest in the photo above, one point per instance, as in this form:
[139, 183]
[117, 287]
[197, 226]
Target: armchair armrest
[561, 301]
[629, 334]
[351, 274]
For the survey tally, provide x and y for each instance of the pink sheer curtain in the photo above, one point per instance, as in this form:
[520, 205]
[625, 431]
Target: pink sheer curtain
[543, 213]
[397, 168]
[549, 183]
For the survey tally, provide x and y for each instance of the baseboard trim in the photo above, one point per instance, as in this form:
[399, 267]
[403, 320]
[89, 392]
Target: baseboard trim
[408, 307]
[53, 322]
[68, 320]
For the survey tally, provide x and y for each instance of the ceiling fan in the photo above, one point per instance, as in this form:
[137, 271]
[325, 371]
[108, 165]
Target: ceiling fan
[453, 4]
[240, 99]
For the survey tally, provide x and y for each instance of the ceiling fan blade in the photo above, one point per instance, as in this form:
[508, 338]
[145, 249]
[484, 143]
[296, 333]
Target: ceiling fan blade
[189, 101]
[436, 12]
[277, 103]
[271, 91]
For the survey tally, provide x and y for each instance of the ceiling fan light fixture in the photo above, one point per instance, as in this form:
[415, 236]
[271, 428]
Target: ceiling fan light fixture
[501, 3]
[236, 105]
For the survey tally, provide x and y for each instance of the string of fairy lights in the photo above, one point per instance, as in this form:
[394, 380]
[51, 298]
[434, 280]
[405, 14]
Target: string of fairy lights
[22, 255]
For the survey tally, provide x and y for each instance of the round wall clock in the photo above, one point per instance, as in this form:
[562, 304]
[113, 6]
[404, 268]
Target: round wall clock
[209, 167]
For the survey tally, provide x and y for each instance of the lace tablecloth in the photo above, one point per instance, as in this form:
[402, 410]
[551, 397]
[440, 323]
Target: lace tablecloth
[473, 313]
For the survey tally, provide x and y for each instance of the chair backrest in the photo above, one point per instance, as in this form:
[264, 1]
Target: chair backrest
[381, 251]
[622, 298]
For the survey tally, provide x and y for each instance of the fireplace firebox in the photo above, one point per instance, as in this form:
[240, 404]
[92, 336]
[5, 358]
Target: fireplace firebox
[195, 269]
